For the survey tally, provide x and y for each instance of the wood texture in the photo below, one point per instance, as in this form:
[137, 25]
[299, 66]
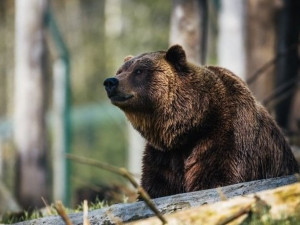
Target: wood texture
[134, 211]
[279, 203]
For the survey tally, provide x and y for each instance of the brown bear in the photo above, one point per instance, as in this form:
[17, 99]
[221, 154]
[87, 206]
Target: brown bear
[203, 126]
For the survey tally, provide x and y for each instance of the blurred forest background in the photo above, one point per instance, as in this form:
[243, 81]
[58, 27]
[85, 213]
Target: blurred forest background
[61, 106]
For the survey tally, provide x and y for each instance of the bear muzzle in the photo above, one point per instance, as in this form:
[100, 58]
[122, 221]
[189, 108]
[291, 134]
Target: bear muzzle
[111, 86]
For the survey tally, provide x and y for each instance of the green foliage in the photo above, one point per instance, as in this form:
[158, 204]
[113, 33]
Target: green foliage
[36, 214]
[265, 219]
[98, 133]
[95, 54]
[99, 34]
[260, 215]
[149, 23]
[22, 216]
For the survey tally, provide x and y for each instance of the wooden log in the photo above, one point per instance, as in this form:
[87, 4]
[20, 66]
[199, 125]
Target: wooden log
[134, 211]
[276, 204]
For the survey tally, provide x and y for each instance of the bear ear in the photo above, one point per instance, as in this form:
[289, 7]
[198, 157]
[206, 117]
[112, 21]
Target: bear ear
[127, 58]
[176, 56]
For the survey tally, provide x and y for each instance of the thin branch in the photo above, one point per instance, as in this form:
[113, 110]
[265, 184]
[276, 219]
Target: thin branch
[48, 208]
[279, 90]
[85, 213]
[281, 97]
[221, 194]
[112, 217]
[62, 212]
[268, 64]
[123, 172]
[236, 215]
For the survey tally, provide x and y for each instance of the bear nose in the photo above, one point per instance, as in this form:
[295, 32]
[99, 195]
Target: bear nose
[110, 85]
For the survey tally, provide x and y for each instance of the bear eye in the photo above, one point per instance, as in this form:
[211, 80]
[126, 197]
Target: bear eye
[138, 71]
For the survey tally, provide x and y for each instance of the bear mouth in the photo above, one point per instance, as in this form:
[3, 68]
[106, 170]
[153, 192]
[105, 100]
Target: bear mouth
[120, 98]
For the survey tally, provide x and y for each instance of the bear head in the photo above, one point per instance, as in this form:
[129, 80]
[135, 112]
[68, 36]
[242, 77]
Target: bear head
[159, 94]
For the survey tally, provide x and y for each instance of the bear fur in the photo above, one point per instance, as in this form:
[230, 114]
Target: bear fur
[203, 127]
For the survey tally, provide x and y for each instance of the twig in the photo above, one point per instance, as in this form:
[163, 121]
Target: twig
[85, 213]
[280, 99]
[48, 208]
[123, 172]
[113, 218]
[280, 90]
[297, 175]
[245, 210]
[263, 68]
[236, 215]
[62, 212]
[221, 194]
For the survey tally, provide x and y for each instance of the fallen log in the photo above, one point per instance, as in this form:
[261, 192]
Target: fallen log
[276, 204]
[139, 210]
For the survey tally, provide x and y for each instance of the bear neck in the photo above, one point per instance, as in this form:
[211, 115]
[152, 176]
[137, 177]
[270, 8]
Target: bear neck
[166, 130]
[186, 113]
[153, 131]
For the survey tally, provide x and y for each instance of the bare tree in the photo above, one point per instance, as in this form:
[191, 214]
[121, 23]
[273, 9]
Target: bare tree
[231, 50]
[260, 44]
[189, 28]
[287, 68]
[30, 101]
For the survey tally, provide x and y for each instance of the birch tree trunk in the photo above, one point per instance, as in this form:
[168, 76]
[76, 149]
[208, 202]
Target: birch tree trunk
[30, 102]
[231, 50]
[189, 28]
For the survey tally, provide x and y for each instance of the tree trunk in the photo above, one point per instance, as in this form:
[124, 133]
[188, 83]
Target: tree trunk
[288, 65]
[189, 28]
[30, 102]
[231, 41]
[260, 43]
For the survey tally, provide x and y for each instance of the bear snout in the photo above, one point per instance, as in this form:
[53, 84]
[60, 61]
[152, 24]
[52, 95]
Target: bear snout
[111, 85]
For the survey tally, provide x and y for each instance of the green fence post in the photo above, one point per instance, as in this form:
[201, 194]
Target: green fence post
[63, 77]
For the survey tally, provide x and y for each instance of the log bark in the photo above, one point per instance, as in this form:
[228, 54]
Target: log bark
[277, 204]
[134, 211]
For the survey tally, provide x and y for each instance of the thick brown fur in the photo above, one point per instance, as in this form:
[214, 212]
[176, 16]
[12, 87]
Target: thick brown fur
[203, 126]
